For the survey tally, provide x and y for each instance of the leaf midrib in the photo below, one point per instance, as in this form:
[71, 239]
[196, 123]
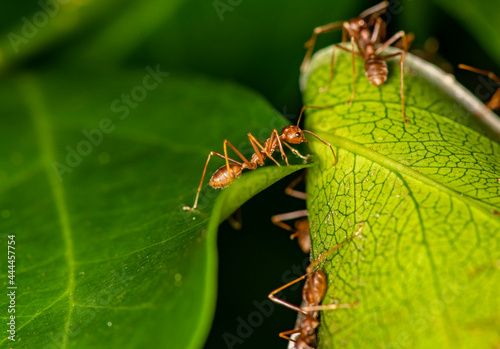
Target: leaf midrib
[41, 121]
[34, 316]
[397, 167]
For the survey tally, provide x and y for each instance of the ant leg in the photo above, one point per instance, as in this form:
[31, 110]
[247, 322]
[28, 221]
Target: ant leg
[410, 37]
[284, 303]
[354, 40]
[286, 334]
[376, 30]
[247, 163]
[332, 60]
[332, 64]
[330, 306]
[353, 35]
[344, 34]
[301, 230]
[399, 35]
[353, 73]
[328, 28]
[254, 142]
[402, 83]
[383, 33]
[494, 102]
[310, 268]
[481, 72]
[309, 271]
[305, 131]
[235, 219]
[295, 151]
[309, 106]
[335, 160]
[375, 11]
[289, 190]
[279, 218]
[274, 136]
[280, 144]
[203, 176]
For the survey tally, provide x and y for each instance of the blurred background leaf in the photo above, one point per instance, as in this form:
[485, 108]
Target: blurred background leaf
[481, 19]
[37, 30]
[108, 250]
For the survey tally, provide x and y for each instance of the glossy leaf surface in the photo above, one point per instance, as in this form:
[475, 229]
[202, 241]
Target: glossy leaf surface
[426, 269]
[93, 188]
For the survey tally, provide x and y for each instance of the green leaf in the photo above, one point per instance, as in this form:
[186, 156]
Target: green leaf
[123, 37]
[236, 39]
[39, 28]
[105, 255]
[426, 268]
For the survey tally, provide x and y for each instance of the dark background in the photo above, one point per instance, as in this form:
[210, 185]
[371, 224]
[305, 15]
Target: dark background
[258, 44]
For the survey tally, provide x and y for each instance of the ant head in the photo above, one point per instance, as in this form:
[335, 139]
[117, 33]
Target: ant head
[293, 134]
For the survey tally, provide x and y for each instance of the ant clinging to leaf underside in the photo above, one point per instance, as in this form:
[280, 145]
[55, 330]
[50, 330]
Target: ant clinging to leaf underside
[313, 292]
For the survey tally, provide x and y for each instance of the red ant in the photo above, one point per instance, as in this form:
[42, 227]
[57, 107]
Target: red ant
[226, 174]
[494, 102]
[301, 230]
[365, 31]
[313, 293]
[355, 24]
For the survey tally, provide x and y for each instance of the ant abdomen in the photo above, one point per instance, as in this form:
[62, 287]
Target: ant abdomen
[315, 288]
[303, 237]
[376, 71]
[223, 177]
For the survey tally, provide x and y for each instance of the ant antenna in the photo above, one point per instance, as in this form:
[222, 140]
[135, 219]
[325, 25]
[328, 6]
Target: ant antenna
[324, 142]
[308, 106]
[313, 265]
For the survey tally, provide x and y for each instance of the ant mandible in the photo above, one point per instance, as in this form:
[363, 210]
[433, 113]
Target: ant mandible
[226, 174]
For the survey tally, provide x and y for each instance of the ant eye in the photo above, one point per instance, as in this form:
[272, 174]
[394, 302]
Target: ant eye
[297, 134]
